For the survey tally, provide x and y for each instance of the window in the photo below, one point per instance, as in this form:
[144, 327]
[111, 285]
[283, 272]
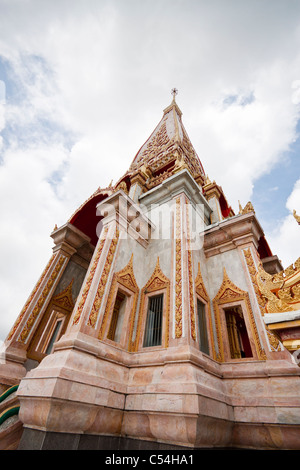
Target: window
[153, 330]
[203, 338]
[54, 336]
[115, 329]
[237, 333]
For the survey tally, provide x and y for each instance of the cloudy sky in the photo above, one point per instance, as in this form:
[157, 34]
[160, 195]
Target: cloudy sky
[84, 82]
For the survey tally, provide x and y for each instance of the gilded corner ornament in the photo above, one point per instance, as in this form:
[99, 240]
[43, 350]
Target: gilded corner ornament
[281, 291]
[296, 216]
[248, 208]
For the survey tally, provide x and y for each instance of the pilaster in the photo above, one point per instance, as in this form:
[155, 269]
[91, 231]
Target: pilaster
[213, 194]
[67, 240]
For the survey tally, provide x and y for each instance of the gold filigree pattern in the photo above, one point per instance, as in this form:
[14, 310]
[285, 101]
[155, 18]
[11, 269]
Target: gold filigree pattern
[190, 274]
[178, 273]
[125, 278]
[41, 301]
[202, 293]
[252, 272]
[168, 148]
[280, 291]
[65, 298]
[33, 293]
[90, 278]
[157, 281]
[273, 340]
[248, 208]
[122, 186]
[228, 293]
[101, 285]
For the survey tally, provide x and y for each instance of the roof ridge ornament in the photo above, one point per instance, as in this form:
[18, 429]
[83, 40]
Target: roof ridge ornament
[174, 92]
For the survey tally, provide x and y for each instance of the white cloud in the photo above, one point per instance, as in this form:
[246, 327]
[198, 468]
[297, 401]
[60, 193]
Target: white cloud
[92, 81]
[285, 239]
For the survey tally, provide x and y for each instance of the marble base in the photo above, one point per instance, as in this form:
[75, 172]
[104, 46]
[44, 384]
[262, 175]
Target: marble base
[175, 397]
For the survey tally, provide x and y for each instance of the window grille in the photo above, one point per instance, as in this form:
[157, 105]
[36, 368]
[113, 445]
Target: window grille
[153, 330]
[115, 316]
[53, 337]
[203, 338]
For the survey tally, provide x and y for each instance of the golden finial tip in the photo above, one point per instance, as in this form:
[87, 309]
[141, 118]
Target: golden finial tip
[174, 92]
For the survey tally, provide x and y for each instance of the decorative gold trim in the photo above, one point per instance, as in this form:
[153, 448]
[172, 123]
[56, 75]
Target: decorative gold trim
[297, 217]
[253, 272]
[26, 306]
[125, 278]
[190, 274]
[122, 185]
[65, 298]
[273, 340]
[178, 273]
[41, 301]
[102, 282]
[157, 281]
[89, 279]
[281, 291]
[202, 293]
[227, 293]
[248, 208]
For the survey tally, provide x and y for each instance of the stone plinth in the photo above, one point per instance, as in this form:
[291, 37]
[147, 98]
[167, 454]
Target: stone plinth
[177, 397]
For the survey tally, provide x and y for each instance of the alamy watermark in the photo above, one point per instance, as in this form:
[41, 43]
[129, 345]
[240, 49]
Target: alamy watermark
[157, 222]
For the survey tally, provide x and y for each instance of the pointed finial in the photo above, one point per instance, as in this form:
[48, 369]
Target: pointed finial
[174, 92]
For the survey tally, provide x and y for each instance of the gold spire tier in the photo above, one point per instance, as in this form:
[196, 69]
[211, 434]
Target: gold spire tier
[167, 150]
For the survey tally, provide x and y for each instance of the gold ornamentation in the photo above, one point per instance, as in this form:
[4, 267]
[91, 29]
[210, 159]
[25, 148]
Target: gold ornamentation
[297, 217]
[190, 273]
[125, 278]
[102, 283]
[41, 301]
[273, 340]
[178, 274]
[90, 278]
[252, 272]
[202, 293]
[122, 186]
[227, 293]
[206, 180]
[281, 291]
[248, 208]
[157, 281]
[65, 298]
[26, 306]
[167, 146]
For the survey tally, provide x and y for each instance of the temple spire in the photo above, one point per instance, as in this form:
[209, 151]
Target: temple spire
[168, 149]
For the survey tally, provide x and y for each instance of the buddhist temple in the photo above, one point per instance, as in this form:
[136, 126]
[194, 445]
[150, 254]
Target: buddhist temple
[162, 320]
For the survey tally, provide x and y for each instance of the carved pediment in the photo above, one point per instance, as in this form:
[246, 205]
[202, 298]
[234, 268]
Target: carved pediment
[65, 298]
[126, 276]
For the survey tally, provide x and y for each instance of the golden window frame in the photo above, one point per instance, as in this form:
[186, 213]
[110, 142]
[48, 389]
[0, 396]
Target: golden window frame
[230, 295]
[157, 284]
[125, 282]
